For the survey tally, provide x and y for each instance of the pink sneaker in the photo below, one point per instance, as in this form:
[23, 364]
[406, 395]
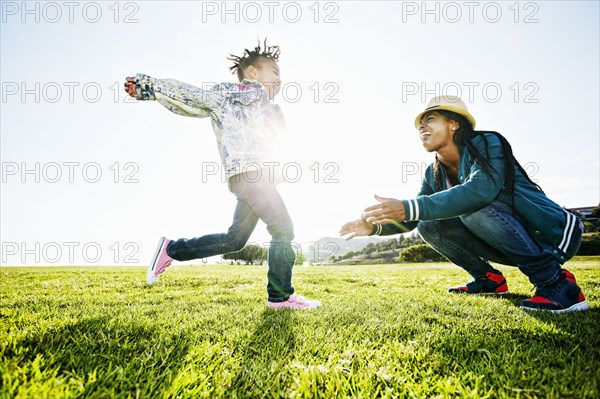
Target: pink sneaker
[295, 302]
[160, 261]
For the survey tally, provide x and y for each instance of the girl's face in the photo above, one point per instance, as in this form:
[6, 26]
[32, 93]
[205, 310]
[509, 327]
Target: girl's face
[266, 71]
[436, 131]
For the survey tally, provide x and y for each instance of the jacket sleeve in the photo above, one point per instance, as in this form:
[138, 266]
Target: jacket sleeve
[477, 189]
[405, 227]
[178, 97]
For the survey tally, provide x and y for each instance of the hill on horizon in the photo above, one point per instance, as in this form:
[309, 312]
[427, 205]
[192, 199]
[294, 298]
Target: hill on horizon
[323, 249]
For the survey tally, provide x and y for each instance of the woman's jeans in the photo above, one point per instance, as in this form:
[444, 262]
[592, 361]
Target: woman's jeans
[257, 198]
[495, 234]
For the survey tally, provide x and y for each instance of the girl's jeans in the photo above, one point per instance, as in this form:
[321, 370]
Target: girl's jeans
[257, 198]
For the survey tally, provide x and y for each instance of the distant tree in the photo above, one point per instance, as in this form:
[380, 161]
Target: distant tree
[421, 253]
[388, 244]
[300, 258]
[369, 249]
[588, 227]
[590, 245]
[237, 256]
[250, 254]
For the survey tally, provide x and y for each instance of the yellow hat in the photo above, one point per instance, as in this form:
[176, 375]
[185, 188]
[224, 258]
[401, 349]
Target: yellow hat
[448, 103]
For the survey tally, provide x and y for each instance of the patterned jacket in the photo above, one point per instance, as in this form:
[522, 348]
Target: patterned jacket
[247, 125]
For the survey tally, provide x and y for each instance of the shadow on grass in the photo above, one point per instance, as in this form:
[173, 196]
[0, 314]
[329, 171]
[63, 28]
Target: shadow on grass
[583, 324]
[592, 315]
[516, 299]
[579, 329]
[267, 351]
[109, 358]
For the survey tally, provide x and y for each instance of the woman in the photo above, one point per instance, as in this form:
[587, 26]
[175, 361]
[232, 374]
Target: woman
[476, 205]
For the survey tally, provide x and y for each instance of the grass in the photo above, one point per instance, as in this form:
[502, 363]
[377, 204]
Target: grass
[204, 332]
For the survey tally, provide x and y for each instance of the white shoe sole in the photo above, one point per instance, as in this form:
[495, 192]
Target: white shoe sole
[310, 305]
[479, 293]
[578, 307]
[493, 293]
[151, 278]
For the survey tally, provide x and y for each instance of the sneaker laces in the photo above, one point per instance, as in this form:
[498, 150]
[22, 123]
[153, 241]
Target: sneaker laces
[299, 299]
[475, 280]
[470, 282]
[549, 291]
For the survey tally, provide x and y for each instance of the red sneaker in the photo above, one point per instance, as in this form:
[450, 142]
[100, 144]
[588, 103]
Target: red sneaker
[568, 276]
[493, 283]
[561, 297]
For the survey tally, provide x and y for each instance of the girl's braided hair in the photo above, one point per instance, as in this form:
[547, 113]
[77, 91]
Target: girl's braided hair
[250, 57]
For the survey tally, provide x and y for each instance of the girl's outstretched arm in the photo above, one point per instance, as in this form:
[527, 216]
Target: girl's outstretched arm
[178, 97]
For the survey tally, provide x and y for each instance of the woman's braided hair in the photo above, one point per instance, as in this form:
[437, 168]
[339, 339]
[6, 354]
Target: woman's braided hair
[464, 138]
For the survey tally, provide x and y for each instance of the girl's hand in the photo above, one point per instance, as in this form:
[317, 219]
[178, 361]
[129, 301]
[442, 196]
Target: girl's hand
[130, 86]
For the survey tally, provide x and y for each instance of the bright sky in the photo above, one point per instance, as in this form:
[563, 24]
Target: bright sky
[91, 178]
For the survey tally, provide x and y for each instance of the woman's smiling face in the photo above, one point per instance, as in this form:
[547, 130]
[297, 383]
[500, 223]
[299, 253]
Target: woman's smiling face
[436, 131]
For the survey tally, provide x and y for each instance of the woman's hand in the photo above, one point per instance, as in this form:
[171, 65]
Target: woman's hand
[130, 86]
[356, 228]
[387, 211]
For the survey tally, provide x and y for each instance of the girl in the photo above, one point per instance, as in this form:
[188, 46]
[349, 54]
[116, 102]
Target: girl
[247, 126]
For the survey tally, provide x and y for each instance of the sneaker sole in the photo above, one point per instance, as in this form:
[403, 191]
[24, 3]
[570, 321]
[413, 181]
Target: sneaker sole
[150, 277]
[493, 293]
[479, 293]
[311, 306]
[578, 307]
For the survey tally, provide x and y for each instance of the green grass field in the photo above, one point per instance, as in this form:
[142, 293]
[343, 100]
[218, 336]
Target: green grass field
[204, 332]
